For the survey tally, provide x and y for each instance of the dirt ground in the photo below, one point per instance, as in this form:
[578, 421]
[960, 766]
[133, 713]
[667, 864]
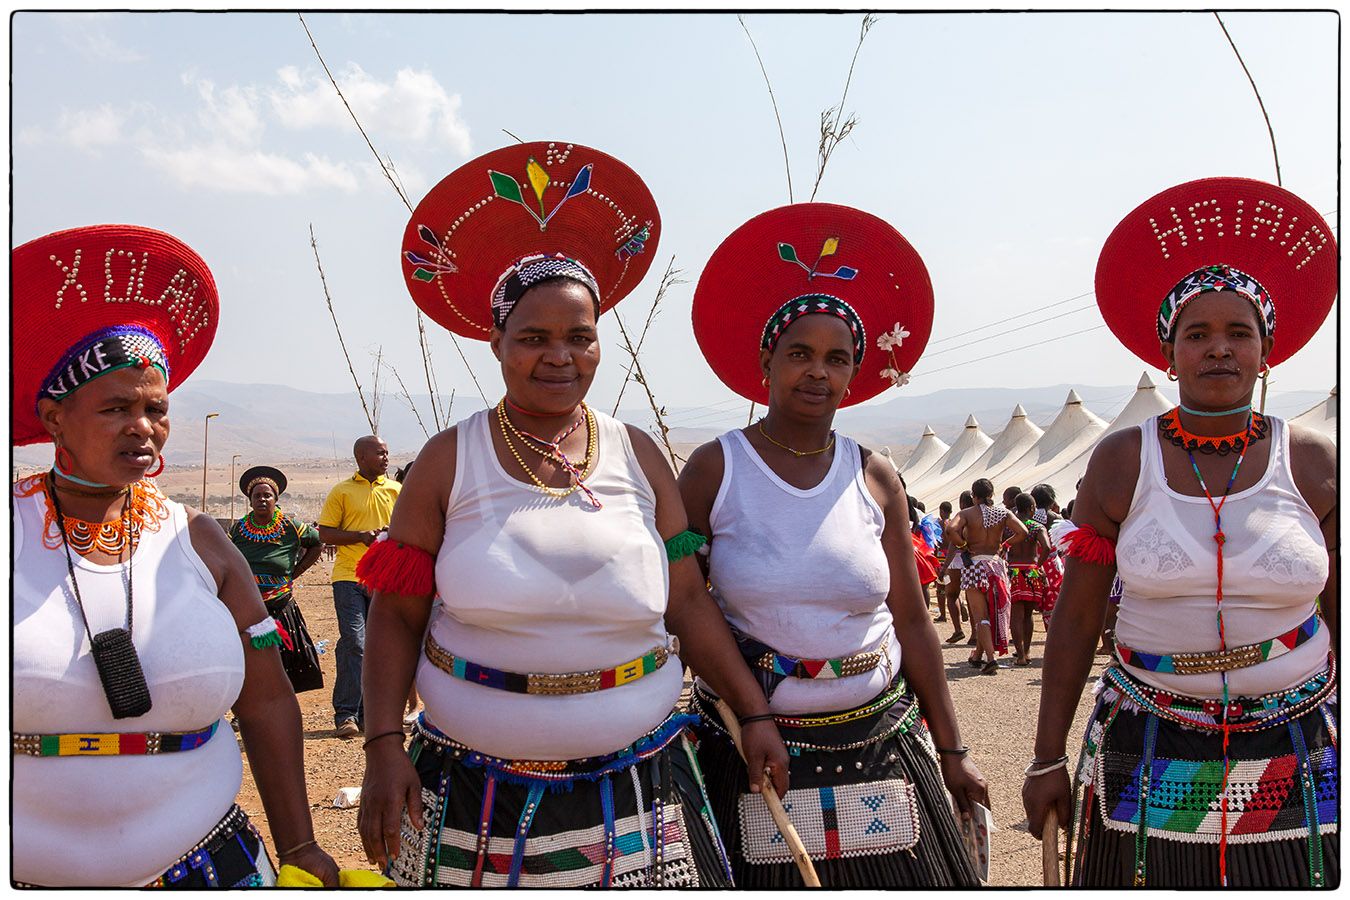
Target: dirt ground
[997, 715]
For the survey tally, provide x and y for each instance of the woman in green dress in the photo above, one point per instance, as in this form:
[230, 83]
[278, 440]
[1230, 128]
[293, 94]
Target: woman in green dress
[279, 549]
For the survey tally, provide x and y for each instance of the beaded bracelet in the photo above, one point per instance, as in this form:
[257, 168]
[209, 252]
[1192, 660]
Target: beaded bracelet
[383, 734]
[762, 717]
[958, 751]
[297, 848]
[1046, 766]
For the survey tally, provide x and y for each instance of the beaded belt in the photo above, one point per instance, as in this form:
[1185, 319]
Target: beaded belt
[115, 744]
[844, 666]
[272, 586]
[548, 683]
[562, 770]
[1220, 660]
[1026, 570]
[1244, 713]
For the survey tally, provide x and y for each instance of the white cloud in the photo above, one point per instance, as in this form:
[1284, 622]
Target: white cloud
[413, 108]
[225, 147]
[232, 169]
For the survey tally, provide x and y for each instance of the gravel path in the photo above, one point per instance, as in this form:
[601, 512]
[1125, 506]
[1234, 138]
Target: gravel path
[997, 715]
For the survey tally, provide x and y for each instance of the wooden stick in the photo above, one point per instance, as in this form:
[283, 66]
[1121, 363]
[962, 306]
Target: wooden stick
[1050, 849]
[780, 817]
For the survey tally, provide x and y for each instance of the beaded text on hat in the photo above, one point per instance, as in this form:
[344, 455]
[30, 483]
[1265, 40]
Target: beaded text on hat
[119, 347]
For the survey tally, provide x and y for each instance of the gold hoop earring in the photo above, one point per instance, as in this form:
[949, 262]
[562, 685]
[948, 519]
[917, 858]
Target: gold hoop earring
[765, 382]
[1265, 371]
[1172, 374]
[847, 391]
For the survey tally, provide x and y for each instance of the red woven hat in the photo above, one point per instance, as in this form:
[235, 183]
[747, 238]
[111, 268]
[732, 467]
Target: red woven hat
[123, 282]
[1259, 228]
[807, 249]
[544, 197]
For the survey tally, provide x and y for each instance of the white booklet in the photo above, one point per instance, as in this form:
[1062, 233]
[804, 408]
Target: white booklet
[975, 834]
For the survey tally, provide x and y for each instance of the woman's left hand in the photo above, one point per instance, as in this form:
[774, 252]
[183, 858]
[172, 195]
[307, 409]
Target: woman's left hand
[965, 782]
[315, 861]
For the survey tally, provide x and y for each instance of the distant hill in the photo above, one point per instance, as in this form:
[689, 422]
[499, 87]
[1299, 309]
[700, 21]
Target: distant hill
[276, 422]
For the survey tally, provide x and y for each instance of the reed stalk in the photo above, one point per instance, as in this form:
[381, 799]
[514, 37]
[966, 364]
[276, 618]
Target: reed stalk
[328, 298]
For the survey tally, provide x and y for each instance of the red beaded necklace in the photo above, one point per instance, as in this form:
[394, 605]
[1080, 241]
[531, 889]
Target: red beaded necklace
[1169, 423]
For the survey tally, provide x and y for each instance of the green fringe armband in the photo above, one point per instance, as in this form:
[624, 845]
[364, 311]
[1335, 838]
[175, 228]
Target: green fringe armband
[266, 633]
[267, 640]
[686, 543]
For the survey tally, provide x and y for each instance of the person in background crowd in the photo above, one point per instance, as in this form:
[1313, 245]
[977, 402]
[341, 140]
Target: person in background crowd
[356, 512]
[279, 549]
[1047, 516]
[1026, 578]
[934, 528]
[979, 531]
[1010, 497]
[955, 561]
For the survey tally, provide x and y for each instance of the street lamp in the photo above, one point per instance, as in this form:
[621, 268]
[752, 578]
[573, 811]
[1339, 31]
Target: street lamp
[232, 459]
[206, 431]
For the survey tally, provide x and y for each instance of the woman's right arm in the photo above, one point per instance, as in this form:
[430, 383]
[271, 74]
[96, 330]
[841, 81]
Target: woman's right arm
[1102, 503]
[394, 630]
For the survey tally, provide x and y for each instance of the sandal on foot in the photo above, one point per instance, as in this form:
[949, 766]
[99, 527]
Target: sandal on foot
[955, 638]
[990, 668]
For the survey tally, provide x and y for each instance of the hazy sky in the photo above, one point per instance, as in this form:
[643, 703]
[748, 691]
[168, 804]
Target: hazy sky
[1005, 147]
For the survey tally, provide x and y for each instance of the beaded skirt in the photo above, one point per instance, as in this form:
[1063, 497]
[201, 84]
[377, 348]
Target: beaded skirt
[638, 817]
[1148, 807]
[301, 659]
[865, 797]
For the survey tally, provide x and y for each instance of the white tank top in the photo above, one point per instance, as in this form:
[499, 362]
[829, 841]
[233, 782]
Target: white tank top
[532, 584]
[803, 571]
[119, 820]
[1275, 564]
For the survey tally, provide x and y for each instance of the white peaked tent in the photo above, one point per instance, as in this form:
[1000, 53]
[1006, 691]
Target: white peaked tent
[1072, 434]
[969, 446]
[1322, 417]
[1147, 402]
[1016, 438]
[926, 452]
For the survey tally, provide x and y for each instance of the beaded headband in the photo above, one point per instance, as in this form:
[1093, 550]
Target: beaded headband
[106, 350]
[809, 304]
[529, 271]
[261, 479]
[1209, 279]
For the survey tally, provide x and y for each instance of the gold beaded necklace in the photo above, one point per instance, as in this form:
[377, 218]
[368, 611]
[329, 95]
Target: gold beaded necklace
[592, 444]
[797, 453]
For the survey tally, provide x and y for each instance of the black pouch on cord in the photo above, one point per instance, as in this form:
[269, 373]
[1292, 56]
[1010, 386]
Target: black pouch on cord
[119, 668]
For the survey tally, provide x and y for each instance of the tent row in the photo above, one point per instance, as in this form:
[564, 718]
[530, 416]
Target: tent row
[1024, 454]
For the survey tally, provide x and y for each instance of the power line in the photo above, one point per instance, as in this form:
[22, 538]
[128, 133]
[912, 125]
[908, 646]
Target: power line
[1013, 350]
[1020, 315]
[1011, 330]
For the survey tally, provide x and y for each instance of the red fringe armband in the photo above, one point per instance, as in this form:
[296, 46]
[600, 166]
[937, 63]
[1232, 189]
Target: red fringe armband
[397, 568]
[1086, 544]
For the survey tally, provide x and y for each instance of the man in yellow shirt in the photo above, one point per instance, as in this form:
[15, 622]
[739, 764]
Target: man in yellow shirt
[356, 511]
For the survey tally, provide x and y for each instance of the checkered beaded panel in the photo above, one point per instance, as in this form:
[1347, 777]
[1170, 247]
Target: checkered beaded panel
[1265, 796]
[834, 822]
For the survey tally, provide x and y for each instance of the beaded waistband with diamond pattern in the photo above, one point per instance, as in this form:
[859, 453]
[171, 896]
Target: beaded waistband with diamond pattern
[1221, 660]
[548, 683]
[115, 744]
[844, 666]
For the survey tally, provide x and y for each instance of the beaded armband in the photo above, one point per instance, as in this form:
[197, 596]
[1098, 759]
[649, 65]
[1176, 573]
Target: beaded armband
[267, 633]
[397, 568]
[1086, 544]
[686, 543]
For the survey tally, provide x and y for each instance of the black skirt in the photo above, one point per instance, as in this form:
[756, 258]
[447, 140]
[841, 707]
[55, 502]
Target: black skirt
[301, 660]
[1281, 818]
[872, 812]
[638, 817]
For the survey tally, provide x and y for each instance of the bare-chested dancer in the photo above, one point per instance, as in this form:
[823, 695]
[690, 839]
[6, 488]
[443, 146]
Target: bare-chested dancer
[979, 531]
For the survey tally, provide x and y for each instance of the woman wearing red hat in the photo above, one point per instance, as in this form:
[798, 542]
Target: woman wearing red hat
[804, 309]
[136, 624]
[1210, 758]
[549, 753]
[279, 549]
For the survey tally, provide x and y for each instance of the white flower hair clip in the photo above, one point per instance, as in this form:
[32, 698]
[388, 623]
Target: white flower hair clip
[890, 340]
